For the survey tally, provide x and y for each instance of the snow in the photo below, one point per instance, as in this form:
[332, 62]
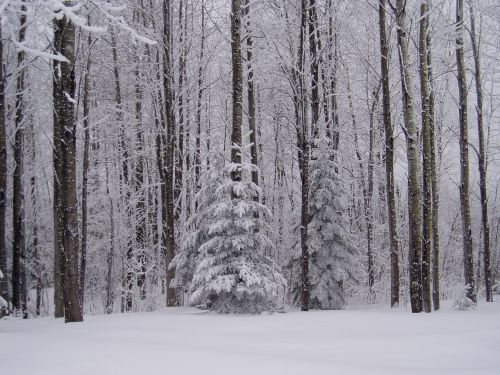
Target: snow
[183, 341]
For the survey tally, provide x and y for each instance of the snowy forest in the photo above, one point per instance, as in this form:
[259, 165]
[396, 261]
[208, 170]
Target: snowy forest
[248, 155]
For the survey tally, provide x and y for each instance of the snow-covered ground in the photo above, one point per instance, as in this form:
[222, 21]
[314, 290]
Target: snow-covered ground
[367, 340]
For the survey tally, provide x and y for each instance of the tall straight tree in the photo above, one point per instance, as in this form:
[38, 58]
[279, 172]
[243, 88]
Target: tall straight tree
[168, 206]
[412, 144]
[434, 179]
[19, 289]
[236, 63]
[4, 292]
[304, 157]
[464, 156]
[488, 277]
[65, 132]
[389, 155]
[251, 94]
[427, 161]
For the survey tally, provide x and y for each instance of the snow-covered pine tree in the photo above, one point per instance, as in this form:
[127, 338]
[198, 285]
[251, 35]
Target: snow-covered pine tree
[232, 272]
[331, 254]
[196, 227]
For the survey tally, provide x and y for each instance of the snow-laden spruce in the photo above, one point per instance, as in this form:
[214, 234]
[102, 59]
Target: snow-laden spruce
[330, 252]
[223, 261]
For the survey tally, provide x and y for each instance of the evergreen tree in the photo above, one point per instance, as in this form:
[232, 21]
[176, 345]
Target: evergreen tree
[331, 254]
[197, 225]
[233, 273]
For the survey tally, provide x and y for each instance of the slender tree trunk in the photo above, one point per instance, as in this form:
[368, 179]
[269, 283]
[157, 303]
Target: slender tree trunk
[141, 193]
[251, 95]
[304, 156]
[110, 297]
[197, 154]
[414, 215]
[4, 292]
[179, 144]
[59, 99]
[389, 156]
[168, 205]
[434, 181]
[314, 56]
[64, 82]
[488, 279]
[464, 157]
[19, 289]
[85, 170]
[427, 167]
[236, 62]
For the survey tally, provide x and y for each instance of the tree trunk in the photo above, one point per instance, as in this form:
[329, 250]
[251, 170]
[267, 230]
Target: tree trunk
[314, 57]
[19, 289]
[64, 82]
[304, 156]
[464, 157]
[236, 62]
[251, 95]
[168, 205]
[427, 167]
[414, 216]
[389, 156]
[197, 153]
[4, 292]
[85, 170]
[488, 280]
[434, 181]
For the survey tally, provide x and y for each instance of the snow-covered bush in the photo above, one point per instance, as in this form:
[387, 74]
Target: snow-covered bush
[464, 303]
[330, 251]
[3, 303]
[225, 250]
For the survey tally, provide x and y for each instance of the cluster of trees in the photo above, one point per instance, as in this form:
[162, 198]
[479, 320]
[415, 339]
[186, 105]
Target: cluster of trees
[248, 156]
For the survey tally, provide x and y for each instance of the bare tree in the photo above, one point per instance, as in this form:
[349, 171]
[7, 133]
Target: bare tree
[414, 216]
[65, 132]
[389, 156]
[464, 156]
[488, 279]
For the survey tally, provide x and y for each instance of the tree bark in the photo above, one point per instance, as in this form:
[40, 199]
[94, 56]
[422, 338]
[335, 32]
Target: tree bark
[464, 157]
[64, 82]
[251, 95]
[237, 92]
[389, 156]
[427, 165]
[19, 289]
[434, 181]
[488, 279]
[4, 292]
[85, 170]
[414, 215]
[304, 157]
[168, 205]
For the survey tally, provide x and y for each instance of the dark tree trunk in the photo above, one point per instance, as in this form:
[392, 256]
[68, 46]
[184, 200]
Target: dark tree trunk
[197, 153]
[488, 279]
[236, 62]
[64, 82]
[389, 157]
[85, 170]
[434, 180]
[464, 157]
[427, 162]
[414, 203]
[168, 205]
[304, 156]
[251, 95]
[19, 289]
[4, 292]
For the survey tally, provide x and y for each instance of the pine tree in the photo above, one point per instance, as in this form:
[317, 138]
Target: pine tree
[233, 273]
[331, 254]
[196, 226]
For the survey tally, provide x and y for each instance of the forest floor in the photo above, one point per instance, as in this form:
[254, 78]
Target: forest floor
[183, 341]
